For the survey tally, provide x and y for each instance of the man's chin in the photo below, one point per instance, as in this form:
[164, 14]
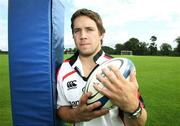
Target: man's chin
[86, 54]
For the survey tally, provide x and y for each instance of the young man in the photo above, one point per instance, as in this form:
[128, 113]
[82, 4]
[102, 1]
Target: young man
[88, 33]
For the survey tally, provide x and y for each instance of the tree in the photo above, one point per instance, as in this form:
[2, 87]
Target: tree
[153, 38]
[153, 46]
[177, 49]
[166, 49]
[118, 48]
[69, 50]
[3, 52]
[133, 45]
[143, 48]
[108, 49]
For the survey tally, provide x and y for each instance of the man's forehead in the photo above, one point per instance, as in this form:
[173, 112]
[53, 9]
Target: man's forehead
[84, 21]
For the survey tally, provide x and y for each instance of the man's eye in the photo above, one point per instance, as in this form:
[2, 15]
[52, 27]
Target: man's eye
[76, 30]
[89, 29]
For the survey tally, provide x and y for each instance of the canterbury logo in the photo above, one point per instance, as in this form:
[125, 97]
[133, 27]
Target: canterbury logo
[71, 84]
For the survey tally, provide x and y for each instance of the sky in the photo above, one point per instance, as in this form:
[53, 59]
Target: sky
[3, 25]
[122, 19]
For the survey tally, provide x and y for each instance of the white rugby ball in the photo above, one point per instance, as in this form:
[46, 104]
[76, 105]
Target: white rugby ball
[125, 67]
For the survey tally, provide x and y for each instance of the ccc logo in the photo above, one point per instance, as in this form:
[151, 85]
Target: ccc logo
[71, 84]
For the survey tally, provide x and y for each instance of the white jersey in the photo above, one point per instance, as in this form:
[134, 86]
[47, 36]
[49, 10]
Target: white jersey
[71, 84]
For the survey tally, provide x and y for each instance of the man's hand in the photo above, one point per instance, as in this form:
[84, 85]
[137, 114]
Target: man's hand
[122, 92]
[86, 112]
[82, 112]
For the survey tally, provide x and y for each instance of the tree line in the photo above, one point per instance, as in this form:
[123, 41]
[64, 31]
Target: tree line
[140, 48]
[3, 52]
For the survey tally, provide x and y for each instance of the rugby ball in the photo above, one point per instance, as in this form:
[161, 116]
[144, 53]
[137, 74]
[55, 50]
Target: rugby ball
[125, 67]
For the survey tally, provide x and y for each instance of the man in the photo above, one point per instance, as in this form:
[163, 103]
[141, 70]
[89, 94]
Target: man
[88, 33]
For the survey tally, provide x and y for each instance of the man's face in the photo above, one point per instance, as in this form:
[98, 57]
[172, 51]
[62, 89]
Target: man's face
[86, 36]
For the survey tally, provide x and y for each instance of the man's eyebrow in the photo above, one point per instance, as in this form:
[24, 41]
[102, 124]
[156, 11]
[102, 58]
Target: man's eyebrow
[77, 28]
[84, 27]
[89, 27]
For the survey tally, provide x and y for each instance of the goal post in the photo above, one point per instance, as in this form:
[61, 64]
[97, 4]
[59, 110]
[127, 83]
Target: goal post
[126, 52]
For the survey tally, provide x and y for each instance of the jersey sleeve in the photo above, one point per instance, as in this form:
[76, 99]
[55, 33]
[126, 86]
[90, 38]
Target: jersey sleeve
[61, 99]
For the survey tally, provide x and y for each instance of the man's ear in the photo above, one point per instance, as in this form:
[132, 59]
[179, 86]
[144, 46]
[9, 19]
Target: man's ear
[72, 35]
[102, 36]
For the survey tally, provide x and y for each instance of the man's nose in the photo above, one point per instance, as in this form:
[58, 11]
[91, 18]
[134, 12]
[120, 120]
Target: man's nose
[83, 34]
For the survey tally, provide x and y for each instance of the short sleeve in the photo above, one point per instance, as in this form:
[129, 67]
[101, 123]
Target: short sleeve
[61, 99]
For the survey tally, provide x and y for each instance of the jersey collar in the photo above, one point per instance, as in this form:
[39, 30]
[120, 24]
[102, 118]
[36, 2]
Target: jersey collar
[96, 58]
[75, 62]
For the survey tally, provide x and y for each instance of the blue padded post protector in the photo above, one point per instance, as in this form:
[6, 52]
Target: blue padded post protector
[35, 50]
[57, 44]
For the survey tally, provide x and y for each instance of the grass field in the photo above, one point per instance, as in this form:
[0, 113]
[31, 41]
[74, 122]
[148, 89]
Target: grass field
[159, 80]
[5, 105]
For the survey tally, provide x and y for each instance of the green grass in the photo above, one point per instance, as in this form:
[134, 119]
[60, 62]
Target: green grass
[5, 106]
[158, 77]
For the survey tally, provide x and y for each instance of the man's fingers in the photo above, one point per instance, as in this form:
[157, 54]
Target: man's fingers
[105, 81]
[84, 98]
[117, 72]
[103, 90]
[93, 106]
[109, 74]
[133, 78]
[100, 112]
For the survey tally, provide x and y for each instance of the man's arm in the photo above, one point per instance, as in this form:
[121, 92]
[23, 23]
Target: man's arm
[140, 121]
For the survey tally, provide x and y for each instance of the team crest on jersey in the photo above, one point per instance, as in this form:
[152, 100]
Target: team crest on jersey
[72, 84]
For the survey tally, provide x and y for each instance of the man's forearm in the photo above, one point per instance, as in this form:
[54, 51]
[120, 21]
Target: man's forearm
[67, 114]
[140, 121]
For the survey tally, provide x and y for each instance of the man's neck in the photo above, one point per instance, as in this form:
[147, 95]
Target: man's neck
[86, 59]
[88, 64]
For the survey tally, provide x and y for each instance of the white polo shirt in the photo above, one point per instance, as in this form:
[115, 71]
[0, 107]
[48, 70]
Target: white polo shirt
[71, 84]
